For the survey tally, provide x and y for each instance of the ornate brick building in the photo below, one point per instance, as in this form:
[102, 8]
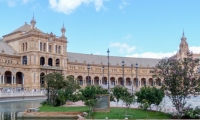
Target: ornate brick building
[27, 54]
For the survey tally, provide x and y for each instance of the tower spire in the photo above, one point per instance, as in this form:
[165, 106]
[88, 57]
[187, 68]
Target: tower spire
[33, 22]
[63, 30]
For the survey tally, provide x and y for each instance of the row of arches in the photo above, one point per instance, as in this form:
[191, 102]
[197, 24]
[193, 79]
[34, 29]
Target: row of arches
[42, 61]
[118, 81]
[9, 78]
[50, 62]
[43, 47]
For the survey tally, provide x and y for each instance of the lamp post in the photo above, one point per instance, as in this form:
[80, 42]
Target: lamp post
[123, 72]
[108, 69]
[103, 73]
[132, 77]
[136, 66]
[88, 67]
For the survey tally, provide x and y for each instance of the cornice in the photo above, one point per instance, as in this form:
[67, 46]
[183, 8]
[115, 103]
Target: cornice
[40, 35]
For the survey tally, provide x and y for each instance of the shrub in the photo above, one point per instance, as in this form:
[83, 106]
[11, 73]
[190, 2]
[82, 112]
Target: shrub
[149, 95]
[190, 113]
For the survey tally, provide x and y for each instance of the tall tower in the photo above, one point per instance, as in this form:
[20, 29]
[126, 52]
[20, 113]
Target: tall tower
[183, 47]
[33, 22]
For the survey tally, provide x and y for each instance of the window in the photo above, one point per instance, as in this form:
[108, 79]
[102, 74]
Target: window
[49, 48]
[22, 46]
[24, 60]
[40, 46]
[56, 49]
[34, 77]
[59, 49]
[26, 46]
[34, 59]
[44, 48]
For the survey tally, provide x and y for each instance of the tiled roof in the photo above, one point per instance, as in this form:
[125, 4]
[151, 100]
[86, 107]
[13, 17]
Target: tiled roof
[7, 49]
[25, 28]
[113, 60]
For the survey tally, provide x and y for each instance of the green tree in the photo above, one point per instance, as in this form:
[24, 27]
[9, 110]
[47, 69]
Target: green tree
[149, 95]
[89, 95]
[128, 99]
[178, 79]
[54, 83]
[118, 92]
[70, 89]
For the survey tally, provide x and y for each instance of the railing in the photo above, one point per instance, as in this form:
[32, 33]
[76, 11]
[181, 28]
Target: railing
[22, 93]
[51, 67]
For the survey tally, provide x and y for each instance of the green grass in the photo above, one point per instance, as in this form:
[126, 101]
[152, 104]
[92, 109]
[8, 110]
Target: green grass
[115, 113]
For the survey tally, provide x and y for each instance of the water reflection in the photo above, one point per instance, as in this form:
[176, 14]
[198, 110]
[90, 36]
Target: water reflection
[8, 110]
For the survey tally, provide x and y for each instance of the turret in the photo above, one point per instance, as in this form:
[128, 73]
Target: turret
[33, 22]
[63, 30]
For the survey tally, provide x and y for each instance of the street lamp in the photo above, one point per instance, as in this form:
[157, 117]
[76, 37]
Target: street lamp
[88, 67]
[123, 73]
[132, 77]
[108, 69]
[136, 66]
[103, 73]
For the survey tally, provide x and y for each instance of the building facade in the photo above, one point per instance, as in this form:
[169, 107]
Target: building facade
[27, 54]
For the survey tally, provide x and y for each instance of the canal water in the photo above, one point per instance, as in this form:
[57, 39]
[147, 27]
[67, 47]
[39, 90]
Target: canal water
[8, 110]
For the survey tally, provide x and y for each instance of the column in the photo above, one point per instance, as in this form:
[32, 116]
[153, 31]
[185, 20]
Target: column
[39, 45]
[22, 78]
[47, 50]
[3, 79]
[11, 79]
[85, 82]
[14, 79]
[61, 49]
[54, 48]
[63, 63]
[124, 81]
[0, 79]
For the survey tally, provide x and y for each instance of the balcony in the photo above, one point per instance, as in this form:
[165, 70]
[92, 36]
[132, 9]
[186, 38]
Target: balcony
[51, 67]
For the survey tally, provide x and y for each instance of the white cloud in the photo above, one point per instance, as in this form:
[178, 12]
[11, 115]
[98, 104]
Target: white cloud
[128, 36]
[12, 3]
[195, 49]
[123, 47]
[26, 1]
[98, 53]
[69, 6]
[123, 4]
[153, 55]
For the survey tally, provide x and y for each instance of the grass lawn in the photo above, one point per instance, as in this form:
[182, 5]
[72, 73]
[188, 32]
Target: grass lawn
[115, 113]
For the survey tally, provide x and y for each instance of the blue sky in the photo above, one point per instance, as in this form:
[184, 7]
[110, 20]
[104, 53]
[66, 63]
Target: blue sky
[137, 28]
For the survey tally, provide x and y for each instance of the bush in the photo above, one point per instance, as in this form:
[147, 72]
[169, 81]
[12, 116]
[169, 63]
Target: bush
[149, 95]
[190, 113]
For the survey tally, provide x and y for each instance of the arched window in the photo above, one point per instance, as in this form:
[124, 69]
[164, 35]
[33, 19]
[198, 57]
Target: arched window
[49, 48]
[26, 46]
[57, 62]
[56, 49]
[42, 61]
[44, 47]
[22, 46]
[24, 60]
[50, 62]
[42, 82]
[34, 59]
[59, 49]
[40, 46]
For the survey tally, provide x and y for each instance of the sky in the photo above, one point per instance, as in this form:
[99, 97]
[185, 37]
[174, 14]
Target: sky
[129, 28]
